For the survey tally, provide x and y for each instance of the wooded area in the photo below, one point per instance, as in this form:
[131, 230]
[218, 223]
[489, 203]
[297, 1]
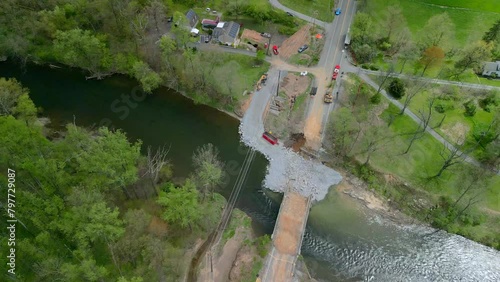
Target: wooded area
[90, 207]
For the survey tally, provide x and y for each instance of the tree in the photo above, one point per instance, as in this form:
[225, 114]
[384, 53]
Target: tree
[397, 88]
[362, 28]
[408, 52]
[451, 156]
[344, 131]
[394, 20]
[10, 92]
[415, 88]
[425, 119]
[493, 34]
[236, 7]
[432, 56]
[181, 204]
[388, 73]
[473, 57]
[106, 161]
[260, 57]
[79, 48]
[372, 140]
[438, 31]
[208, 168]
[149, 79]
[470, 108]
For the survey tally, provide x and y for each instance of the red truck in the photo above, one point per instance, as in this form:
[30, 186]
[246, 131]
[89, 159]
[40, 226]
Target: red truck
[270, 138]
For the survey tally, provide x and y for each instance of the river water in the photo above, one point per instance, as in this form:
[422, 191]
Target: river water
[342, 241]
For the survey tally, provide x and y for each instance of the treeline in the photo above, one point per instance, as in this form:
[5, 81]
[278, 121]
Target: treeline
[430, 47]
[105, 37]
[90, 207]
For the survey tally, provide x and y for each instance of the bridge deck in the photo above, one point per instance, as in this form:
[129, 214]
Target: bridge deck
[287, 238]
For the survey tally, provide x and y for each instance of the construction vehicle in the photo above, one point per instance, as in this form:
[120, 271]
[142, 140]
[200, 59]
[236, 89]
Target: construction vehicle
[270, 137]
[262, 81]
[328, 98]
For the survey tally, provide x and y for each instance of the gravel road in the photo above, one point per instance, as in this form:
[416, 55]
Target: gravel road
[286, 168]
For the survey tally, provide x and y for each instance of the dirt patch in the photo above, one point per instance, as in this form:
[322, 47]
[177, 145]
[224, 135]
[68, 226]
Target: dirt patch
[295, 85]
[245, 105]
[292, 44]
[242, 264]
[253, 36]
[456, 131]
[297, 141]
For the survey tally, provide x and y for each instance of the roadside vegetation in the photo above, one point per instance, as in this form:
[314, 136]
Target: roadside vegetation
[318, 9]
[426, 40]
[92, 207]
[419, 175]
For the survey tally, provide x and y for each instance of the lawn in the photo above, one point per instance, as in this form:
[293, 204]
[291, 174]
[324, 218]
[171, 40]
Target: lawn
[470, 24]
[482, 5]
[322, 8]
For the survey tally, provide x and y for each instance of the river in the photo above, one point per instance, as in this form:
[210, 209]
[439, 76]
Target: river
[342, 241]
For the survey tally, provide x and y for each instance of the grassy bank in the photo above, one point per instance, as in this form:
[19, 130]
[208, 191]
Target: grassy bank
[409, 180]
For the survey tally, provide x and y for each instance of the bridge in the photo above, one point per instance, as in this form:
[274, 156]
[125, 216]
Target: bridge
[286, 238]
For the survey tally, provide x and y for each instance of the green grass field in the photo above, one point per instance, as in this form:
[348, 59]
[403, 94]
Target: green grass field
[479, 5]
[323, 8]
[470, 23]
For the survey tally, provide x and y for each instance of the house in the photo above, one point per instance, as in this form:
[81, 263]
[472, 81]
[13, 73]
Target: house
[209, 24]
[192, 18]
[226, 33]
[492, 69]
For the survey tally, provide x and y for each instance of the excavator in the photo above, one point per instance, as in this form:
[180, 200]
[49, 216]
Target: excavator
[328, 97]
[262, 81]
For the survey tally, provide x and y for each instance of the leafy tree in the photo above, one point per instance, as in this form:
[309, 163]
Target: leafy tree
[106, 161]
[376, 98]
[432, 56]
[181, 204]
[397, 88]
[493, 34]
[180, 30]
[79, 48]
[473, 56]
[260, 57]
[208, 168]
[437, 32]
[470, 108]
[10, 92]
[149, 79]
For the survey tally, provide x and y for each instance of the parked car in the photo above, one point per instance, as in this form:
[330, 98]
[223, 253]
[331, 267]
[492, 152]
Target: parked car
[290, 14]
[265, 34]
[336, 71]
[303, 48]
[275, 50]
[338, 11]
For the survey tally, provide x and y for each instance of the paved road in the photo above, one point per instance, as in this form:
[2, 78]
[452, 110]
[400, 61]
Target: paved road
[437, 81]
[278, 5]
[332, 54]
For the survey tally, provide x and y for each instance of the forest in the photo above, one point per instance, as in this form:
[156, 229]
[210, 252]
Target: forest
[93, 206]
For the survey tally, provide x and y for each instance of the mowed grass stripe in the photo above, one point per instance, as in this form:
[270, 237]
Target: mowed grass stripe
[470, 25]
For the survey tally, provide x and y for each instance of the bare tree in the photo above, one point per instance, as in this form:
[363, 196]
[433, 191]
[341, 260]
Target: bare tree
[425, 119]
[451, 156]
[416, 88]
[156, 160]
[387, 74]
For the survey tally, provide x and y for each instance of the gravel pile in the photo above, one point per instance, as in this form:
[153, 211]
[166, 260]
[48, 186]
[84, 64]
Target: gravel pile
[286, 168]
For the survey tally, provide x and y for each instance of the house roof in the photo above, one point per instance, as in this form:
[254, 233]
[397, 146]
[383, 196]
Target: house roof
[226, 31]
[492, 66]
[192, 17]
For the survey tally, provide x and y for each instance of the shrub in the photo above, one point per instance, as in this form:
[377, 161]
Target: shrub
[489, 103]
[442, 107]
[470, 108]
[374, 67]
[397, 88]
[285, 30]
[375, 99]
